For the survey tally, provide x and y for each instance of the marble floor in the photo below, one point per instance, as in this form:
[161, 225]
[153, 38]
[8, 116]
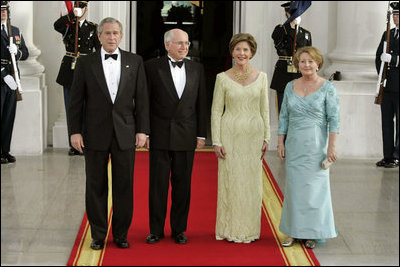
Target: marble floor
[42, 204]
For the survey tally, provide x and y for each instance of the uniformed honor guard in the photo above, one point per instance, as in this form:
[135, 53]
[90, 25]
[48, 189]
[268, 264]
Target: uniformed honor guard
[12, 50]
[80, 39]
[287, 41]
[390, 95]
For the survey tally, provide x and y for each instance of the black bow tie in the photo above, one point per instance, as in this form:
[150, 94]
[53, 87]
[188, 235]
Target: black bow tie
[176, 63]
[113, 56]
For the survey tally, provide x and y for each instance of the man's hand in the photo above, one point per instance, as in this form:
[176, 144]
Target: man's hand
[78, 11]
[9, 80]
[13, 49]
[140, 140]
[200, 143]
[77, 142]
[385, 57]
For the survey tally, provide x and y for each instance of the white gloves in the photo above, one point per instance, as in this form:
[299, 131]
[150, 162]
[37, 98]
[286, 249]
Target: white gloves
[385, 57]
[297, 20]
[9, 80]
[78, 11]
[13, 49]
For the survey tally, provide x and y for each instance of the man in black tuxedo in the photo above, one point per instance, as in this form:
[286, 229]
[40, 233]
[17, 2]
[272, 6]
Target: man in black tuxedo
[88, 41]
[178, 126]
[112, 84]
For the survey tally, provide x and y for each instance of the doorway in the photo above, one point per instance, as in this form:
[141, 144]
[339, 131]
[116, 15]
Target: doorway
[209, 25]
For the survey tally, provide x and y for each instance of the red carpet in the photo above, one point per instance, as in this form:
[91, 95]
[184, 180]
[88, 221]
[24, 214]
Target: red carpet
[202, 248]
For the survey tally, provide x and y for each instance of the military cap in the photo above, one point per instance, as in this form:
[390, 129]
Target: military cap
[395, 6]
[81, 4]
[286, 6]
[4, 4]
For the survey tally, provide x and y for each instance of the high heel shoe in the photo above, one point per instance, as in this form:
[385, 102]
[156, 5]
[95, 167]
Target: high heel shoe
[288, 242]
[310, 244]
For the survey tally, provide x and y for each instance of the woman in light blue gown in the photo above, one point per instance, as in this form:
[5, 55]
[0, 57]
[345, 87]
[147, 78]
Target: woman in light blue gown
[309, 119]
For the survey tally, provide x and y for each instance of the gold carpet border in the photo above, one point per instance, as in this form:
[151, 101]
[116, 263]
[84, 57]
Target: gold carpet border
[296, 255]
[86, 256]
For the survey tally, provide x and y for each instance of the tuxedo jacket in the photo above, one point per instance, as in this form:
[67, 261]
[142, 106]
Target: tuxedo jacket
[176, 123]
[128, 115]
[392, 73]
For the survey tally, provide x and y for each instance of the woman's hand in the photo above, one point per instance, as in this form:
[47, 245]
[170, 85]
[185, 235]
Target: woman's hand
[264, 150]
[332, 155]
[281, 151]
[219, 151]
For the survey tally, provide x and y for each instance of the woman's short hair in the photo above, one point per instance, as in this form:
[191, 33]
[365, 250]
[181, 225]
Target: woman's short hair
[243, 37]
[108, 20]
[314, 53]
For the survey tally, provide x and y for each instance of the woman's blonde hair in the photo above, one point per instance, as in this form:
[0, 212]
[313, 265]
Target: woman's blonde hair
[314, 53]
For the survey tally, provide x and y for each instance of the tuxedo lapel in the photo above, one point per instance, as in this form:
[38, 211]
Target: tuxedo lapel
[125, 67]
[98, 71]
[166, 76]
[189, 78]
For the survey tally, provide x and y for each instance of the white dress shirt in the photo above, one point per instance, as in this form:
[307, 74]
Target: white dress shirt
[112, 72]
[179, 77]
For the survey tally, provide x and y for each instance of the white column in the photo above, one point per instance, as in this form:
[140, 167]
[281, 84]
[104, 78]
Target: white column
[360, 25]
[29, 134]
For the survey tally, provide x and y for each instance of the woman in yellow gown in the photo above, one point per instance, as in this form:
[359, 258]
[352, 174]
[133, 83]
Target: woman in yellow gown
[240, 135]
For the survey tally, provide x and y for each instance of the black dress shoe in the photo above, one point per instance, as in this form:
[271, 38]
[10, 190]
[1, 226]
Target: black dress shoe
[10, 158]
[71, 152]
[97, 244]
[121, 242]
[3, 160]
[179, 238]
[382, 163]
[152, 238]
[392, 163]
[74, 152]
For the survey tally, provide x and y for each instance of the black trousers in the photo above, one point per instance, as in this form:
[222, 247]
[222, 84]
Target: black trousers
[66, 104]
[8, 109]
[163, 165]
[390, 134]
[122, 168]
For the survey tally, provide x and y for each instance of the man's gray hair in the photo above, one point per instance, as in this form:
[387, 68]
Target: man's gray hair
[168, 36]
[108, 20]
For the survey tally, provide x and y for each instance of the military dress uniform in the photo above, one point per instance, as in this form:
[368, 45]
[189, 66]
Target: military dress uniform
[87, 42]
[8, 96]
[283, 36]
[390, 101]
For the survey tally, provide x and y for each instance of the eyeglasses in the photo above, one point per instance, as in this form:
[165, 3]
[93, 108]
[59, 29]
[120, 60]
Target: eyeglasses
[182, 43]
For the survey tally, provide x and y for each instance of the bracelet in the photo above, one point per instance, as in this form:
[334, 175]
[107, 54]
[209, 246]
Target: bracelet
[279, 145]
